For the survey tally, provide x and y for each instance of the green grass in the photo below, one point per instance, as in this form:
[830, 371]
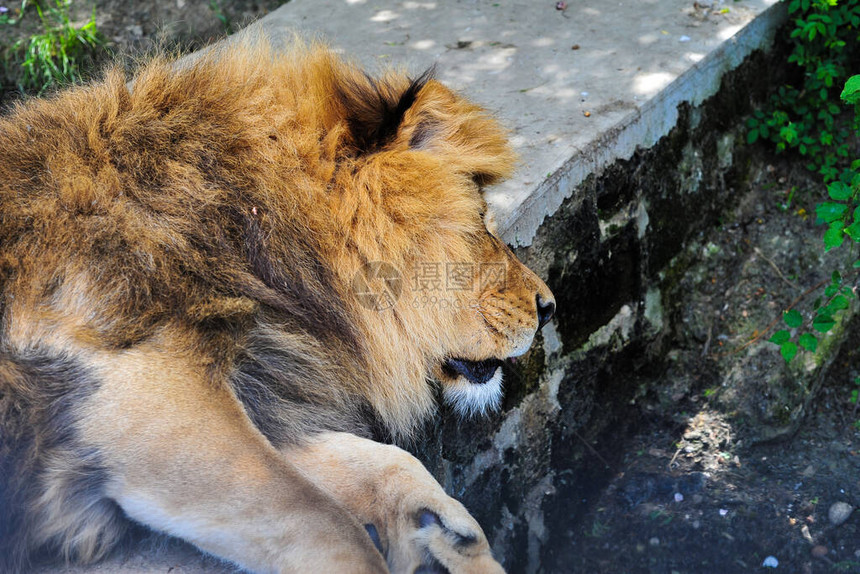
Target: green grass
[57, 53]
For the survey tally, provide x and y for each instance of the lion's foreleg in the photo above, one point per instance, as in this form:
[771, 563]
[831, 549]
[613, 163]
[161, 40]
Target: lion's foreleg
[419, 526]
[183, 458]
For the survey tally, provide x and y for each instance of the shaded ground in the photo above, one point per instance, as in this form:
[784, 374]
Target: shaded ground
[136, 28]
[693, 494]
[723, 508]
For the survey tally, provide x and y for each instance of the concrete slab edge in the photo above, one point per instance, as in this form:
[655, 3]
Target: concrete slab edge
[642, 128]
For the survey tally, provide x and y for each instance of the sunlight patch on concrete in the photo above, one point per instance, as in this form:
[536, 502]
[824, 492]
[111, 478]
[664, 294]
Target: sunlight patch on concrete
[424, 44]
[384, 16]
[651, 84]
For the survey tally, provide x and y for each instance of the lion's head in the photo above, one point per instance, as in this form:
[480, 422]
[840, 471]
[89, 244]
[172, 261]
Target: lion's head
[440, 296]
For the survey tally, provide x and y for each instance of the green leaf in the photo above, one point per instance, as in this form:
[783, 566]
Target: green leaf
[788, 351]
[834, 236]
[752, 136]
[780, 337]
[839, 303]
[839, 191]
[792, 318]
[809, 342]
[829, 211]
[836, 277]
[853, 231]
[823, 322]
[851, 92]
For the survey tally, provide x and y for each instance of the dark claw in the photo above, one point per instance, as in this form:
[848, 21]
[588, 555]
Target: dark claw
[428, 518]
[374, 535]
[432, 568]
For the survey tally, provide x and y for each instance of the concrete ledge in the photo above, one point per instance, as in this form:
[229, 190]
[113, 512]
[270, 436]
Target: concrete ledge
[572, 112]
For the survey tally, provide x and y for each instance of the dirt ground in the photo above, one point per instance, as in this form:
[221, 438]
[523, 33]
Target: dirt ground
[134, 29]
[139, 25]
[696, 492]
[692, 496]
[722, 508]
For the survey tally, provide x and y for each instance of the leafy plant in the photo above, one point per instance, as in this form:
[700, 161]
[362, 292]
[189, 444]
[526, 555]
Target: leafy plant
[826, 310]
[57, 54]
[806, 118]
[841, 214]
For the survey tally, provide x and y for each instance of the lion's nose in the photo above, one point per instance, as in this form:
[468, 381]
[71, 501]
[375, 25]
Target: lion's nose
[545, 311]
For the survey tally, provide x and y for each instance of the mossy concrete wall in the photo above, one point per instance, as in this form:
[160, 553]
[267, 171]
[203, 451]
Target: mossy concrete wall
[613, 255]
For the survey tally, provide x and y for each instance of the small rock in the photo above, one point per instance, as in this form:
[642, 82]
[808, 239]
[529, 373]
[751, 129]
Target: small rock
[839, 512]
[723, 512]
[770, 562]
[654, 541]
[679, 497]
[819, 551]
[684, 39]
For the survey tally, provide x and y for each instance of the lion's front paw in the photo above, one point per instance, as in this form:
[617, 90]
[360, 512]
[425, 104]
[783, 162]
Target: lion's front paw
[452, 548]
[414, 524]
[442, 541]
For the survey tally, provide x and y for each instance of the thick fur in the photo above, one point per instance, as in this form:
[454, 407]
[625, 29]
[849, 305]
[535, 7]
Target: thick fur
[181, 342]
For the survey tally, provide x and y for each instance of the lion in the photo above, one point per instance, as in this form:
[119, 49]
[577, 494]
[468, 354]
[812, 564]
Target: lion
[228, 288]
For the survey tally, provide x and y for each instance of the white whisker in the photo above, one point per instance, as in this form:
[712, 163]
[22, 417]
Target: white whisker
[470, 399]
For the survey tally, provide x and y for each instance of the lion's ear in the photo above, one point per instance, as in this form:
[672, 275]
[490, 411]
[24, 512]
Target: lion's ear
[461, 135]
[375, 109]
[396, 112]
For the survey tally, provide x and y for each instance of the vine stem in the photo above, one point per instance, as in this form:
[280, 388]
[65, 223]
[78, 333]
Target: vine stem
[773, 323]
[591, 448]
